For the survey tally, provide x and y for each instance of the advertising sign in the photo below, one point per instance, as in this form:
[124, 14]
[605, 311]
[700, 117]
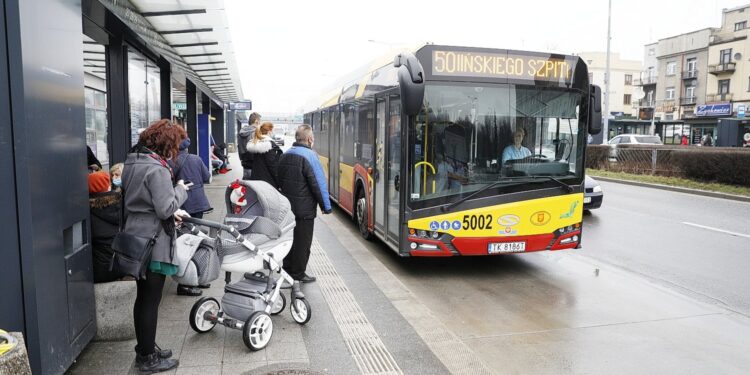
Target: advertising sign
[720, 109]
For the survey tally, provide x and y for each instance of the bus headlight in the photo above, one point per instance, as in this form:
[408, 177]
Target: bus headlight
[413, 245]
[435, 235]
[422, 233]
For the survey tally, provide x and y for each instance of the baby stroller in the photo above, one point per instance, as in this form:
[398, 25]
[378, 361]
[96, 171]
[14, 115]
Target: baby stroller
[256, 236]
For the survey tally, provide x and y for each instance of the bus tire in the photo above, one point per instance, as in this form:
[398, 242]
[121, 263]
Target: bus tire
[361, 214]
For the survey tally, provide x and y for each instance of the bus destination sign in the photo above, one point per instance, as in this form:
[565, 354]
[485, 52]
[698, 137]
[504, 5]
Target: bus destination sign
[493, 65]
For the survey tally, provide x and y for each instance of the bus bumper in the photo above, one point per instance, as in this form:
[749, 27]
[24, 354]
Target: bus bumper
[468, 246]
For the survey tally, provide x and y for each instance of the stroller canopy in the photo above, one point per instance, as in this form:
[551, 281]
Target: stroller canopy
[266, 214]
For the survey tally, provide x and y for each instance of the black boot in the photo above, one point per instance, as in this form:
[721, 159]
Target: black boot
[154, 363]
[184, 290]
[162, 353]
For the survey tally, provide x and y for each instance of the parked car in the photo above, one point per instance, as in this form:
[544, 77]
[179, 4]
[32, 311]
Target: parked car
[593, 194]
[278, 138]
[632, 139]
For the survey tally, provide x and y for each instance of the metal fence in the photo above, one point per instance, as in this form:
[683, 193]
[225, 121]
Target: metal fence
[722, 164]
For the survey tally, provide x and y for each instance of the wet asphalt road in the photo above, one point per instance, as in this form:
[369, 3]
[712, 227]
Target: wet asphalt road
[647, 293]
[665, 236]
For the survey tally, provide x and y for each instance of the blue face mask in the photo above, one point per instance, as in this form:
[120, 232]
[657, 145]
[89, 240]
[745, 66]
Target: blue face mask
[117, 182]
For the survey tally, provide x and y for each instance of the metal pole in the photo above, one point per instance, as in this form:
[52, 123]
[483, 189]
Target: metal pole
[605, 135]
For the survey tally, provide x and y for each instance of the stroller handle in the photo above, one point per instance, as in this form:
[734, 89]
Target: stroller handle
[212, 224]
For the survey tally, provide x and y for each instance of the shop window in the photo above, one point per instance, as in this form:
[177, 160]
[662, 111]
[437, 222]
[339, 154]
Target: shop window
[95, 94]
[144, 90]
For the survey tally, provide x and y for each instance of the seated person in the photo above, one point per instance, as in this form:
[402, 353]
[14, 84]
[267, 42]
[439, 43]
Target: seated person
[105, 206]
[217, 163]
[516, 150]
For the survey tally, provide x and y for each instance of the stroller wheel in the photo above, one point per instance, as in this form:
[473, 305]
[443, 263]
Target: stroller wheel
[257, 331]
[278, 305]
[301, 311]
[202, 309]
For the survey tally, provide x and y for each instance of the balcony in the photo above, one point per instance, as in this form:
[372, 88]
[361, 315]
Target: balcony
[716, 98]
[688, 100]
[643, 103]
[722, 68]
[643, 81]
[690, 74]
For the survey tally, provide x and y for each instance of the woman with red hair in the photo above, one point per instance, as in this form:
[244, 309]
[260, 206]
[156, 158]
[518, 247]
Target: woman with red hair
[152, 205]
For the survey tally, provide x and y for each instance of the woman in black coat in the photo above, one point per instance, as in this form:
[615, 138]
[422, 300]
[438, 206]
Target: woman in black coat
[106, 208]
[265, 155]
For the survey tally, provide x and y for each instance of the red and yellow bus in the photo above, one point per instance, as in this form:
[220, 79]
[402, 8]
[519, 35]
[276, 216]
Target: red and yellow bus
[449, 151]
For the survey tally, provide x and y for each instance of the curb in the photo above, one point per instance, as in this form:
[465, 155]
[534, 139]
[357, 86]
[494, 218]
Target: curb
[704, 193]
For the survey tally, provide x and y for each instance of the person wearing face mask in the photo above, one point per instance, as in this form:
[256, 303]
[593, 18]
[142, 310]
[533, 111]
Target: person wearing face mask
[115, 174]
[105, 206]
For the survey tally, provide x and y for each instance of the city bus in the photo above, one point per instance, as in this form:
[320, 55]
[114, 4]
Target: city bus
[448, 151]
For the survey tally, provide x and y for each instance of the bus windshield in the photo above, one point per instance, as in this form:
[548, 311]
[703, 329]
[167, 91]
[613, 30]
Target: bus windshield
[470, 136]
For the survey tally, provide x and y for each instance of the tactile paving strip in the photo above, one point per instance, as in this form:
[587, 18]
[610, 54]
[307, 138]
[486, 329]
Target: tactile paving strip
[365, 346]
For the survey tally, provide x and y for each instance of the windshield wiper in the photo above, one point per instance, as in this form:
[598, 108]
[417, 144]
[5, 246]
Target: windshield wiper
[509, 180]
[567, 187]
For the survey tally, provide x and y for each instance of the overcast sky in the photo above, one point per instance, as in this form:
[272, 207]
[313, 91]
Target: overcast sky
[290, 51]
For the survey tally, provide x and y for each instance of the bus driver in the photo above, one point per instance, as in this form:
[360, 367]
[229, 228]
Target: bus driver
[516, 150]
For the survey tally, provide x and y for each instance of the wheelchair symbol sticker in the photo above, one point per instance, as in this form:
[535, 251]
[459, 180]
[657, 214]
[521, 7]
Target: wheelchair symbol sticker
[434, 225]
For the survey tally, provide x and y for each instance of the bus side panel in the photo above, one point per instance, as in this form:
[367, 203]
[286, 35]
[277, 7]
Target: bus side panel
[346, 183]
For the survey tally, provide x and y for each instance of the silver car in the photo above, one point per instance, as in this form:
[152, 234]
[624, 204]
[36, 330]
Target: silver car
[631, 139]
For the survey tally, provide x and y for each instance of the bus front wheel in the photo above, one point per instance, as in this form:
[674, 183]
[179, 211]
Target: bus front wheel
[362, 214]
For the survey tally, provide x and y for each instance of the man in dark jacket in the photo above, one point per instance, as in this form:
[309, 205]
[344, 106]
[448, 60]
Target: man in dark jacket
[244, 135]
[303, 182]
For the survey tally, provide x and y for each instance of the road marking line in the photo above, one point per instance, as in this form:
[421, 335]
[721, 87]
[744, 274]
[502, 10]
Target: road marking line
[365, 346]
[717, 229]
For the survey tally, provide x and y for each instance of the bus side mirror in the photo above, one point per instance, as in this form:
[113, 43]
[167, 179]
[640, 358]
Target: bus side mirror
[595, 109]
[411, 82]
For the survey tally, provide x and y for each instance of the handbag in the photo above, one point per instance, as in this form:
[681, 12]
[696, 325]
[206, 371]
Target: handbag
[131, 253]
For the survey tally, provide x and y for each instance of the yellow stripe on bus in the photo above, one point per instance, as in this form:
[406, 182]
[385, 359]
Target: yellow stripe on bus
[324, 162]
[523, 218]
[346, 177]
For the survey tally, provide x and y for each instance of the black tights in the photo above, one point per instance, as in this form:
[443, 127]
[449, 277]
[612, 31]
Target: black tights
[146, 311]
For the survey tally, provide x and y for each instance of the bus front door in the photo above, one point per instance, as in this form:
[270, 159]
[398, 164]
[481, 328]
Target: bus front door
[393, 161]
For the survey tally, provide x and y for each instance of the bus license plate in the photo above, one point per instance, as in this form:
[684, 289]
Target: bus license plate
[506, 247]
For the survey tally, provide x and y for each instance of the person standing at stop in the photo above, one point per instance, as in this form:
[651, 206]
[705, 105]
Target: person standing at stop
[302, 181]
[245, 135]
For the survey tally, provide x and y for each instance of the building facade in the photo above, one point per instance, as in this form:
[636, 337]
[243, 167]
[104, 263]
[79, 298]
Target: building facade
[621, 86]
[693, 80]
[728, 80]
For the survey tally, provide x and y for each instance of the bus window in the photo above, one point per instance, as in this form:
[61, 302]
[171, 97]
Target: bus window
[473, 136]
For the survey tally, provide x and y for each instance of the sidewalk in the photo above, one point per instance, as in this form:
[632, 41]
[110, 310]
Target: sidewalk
[354, 327]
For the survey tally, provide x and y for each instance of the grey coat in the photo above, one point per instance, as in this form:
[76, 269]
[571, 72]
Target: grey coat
[150, 198]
